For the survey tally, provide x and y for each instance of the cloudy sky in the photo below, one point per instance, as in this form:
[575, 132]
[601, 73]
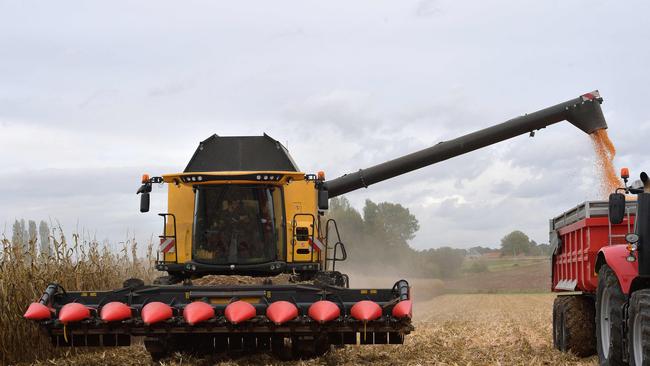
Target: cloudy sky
[94, 94]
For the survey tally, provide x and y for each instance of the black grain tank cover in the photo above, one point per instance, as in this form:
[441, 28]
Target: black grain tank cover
[240, 153]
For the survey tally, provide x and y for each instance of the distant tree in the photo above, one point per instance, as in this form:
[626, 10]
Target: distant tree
[391, 219]
[19, 235]
[541, 249]
[544, 249]
[32, 238]
[481, 250]
[16, 233]
[478, 266]
[448, 260]
[378, 241]
[351, 228]
[31, 224]
[515, 243]
[341, 209]
[44, 239]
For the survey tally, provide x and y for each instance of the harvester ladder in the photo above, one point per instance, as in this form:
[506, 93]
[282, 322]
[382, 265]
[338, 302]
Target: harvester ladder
[337, 245]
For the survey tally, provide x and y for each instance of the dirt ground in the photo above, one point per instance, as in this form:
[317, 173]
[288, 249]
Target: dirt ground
[457, 329]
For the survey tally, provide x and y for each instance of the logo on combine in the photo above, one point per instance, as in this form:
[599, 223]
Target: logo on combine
[167, 245]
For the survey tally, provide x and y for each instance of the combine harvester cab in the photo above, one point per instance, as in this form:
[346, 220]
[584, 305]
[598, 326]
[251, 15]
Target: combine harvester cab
[242, 207]
[601, 269]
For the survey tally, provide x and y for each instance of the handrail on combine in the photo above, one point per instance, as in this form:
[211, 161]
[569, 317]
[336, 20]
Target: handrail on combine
[338, 244]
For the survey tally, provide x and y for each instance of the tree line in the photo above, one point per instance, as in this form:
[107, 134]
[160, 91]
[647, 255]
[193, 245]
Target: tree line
[517, 243]
[26, 234]
[377, 240]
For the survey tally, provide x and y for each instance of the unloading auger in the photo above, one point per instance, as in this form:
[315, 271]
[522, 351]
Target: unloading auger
[242, 207]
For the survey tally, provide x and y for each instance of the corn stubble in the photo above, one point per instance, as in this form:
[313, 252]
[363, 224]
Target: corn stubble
[77, 265]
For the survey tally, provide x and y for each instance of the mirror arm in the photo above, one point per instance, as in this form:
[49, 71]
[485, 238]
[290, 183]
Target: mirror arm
[145, 188]
[146, 185]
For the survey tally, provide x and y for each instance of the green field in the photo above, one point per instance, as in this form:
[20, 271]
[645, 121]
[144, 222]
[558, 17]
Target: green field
[504, 263]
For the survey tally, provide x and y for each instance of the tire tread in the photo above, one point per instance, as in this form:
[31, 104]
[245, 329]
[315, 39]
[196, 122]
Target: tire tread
[607, 279]
[639, 303]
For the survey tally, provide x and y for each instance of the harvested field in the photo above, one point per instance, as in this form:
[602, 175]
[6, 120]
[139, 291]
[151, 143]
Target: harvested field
[476, 329]
[527, 277]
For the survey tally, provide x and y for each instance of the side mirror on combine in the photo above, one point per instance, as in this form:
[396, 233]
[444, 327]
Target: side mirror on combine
[144, 190]
[616, 208]
[144, 202]
[323, 200]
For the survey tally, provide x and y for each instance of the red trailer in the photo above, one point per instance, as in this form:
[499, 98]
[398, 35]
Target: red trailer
[577, 237]
[602, 275]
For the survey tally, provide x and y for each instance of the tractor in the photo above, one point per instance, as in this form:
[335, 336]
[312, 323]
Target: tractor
[601, 271]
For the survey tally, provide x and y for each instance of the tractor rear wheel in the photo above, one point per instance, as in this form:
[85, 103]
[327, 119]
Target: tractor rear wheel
[573, 325]
[609, 318]
[638, 328]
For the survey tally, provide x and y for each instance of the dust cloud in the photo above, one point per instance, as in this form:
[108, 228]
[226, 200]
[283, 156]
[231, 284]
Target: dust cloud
[422, 289]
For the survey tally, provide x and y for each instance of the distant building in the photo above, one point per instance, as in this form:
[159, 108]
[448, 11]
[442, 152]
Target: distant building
[492, 255]
[473, 254]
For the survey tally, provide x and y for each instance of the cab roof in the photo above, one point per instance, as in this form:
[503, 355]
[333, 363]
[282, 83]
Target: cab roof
[239, 154]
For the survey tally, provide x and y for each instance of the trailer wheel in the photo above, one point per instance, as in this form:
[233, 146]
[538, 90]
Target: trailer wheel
[609, 318]
[638, 325]
[573, 325]
[558, 322]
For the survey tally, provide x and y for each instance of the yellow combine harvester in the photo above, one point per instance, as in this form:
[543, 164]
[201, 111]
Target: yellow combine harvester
[242, 207]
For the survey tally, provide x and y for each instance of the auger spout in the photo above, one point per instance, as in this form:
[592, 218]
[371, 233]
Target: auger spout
[583, 112]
